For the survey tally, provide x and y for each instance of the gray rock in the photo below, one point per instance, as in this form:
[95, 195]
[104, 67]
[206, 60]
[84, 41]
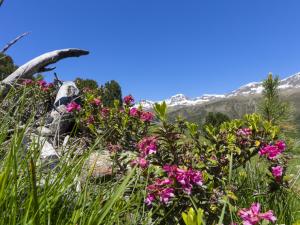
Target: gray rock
[61, 120]
[99, 164]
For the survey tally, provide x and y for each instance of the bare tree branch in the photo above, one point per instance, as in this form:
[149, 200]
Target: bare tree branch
[8, 45]
[1, 2]
[40, 63]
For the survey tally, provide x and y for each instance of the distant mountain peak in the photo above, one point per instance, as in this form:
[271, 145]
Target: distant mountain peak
[253, 88]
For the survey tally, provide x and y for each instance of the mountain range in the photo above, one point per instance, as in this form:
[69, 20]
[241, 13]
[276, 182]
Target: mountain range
[235, 103]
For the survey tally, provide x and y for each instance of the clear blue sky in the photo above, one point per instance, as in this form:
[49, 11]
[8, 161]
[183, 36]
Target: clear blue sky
[157, 48]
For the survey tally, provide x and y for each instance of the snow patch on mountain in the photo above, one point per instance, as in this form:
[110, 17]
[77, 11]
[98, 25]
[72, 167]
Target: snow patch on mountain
[253, 88]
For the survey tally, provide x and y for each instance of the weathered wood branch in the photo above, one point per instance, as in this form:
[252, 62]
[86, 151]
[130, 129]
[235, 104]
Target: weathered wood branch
[40, 63]
[8, 45]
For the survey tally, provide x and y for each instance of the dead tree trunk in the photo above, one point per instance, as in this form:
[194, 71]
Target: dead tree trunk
[39, 64]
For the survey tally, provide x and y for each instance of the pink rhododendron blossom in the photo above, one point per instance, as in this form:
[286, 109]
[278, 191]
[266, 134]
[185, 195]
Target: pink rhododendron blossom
[161, 182]
[42, 83]
[128, 100]
[44, 86]
[150, 198]
[27, 82]
[166, 194]
[244, 132]
[105, 112]
[253, 216]
[73, 106]
[277, 171]
[96, 101]
[148, 146]
[90, 119]
[272, 151]
[134, 112]
[268, 216]
[147, 116]
[187, 178]
[142, 162]
[161, 190]
[281, 145]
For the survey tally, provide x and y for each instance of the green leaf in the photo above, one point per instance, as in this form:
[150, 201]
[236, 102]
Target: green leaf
[161, 110]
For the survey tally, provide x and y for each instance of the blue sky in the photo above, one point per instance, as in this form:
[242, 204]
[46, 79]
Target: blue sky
[157, 48]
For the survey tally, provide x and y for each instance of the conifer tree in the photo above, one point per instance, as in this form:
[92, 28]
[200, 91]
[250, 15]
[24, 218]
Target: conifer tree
[110, 92]
[272, 108]
[86, 83]
[7, 66]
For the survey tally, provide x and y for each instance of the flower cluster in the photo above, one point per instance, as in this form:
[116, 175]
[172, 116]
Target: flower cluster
[27, 82]
[147, 116]
[73, 106]
[277, 172]
[142, 162]
[90, 119]
[147, 146]
[244, 132]
[253, 215]
[186, 178]
[160, 189]
[272, 151]
[44, 85]
[144, 116]
[128, 100]
[105, 112]
[96, 101]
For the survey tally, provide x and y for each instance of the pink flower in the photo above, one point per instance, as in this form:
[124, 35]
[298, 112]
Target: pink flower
[281, 145]
[142, 162]
[272, 151]
[134, 112]
[96, 101]
[244, 132]
[161, 190]
[42, 83]
[187, 178]
[147, 116]
[105, 112]
[27, 82]
[148, 146]
[47, 87]
[268, 216]
[150, 198]
[166, 194]
[90, 119]
[196, 177]
[163, 182]
[277, 171]
[253, 216]
[44, 86]
[73, 106]
[128, 100]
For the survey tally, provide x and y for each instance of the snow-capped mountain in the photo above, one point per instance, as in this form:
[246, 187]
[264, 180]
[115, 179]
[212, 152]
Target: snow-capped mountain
[290, 82]
[253, 88]
[181, 100]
